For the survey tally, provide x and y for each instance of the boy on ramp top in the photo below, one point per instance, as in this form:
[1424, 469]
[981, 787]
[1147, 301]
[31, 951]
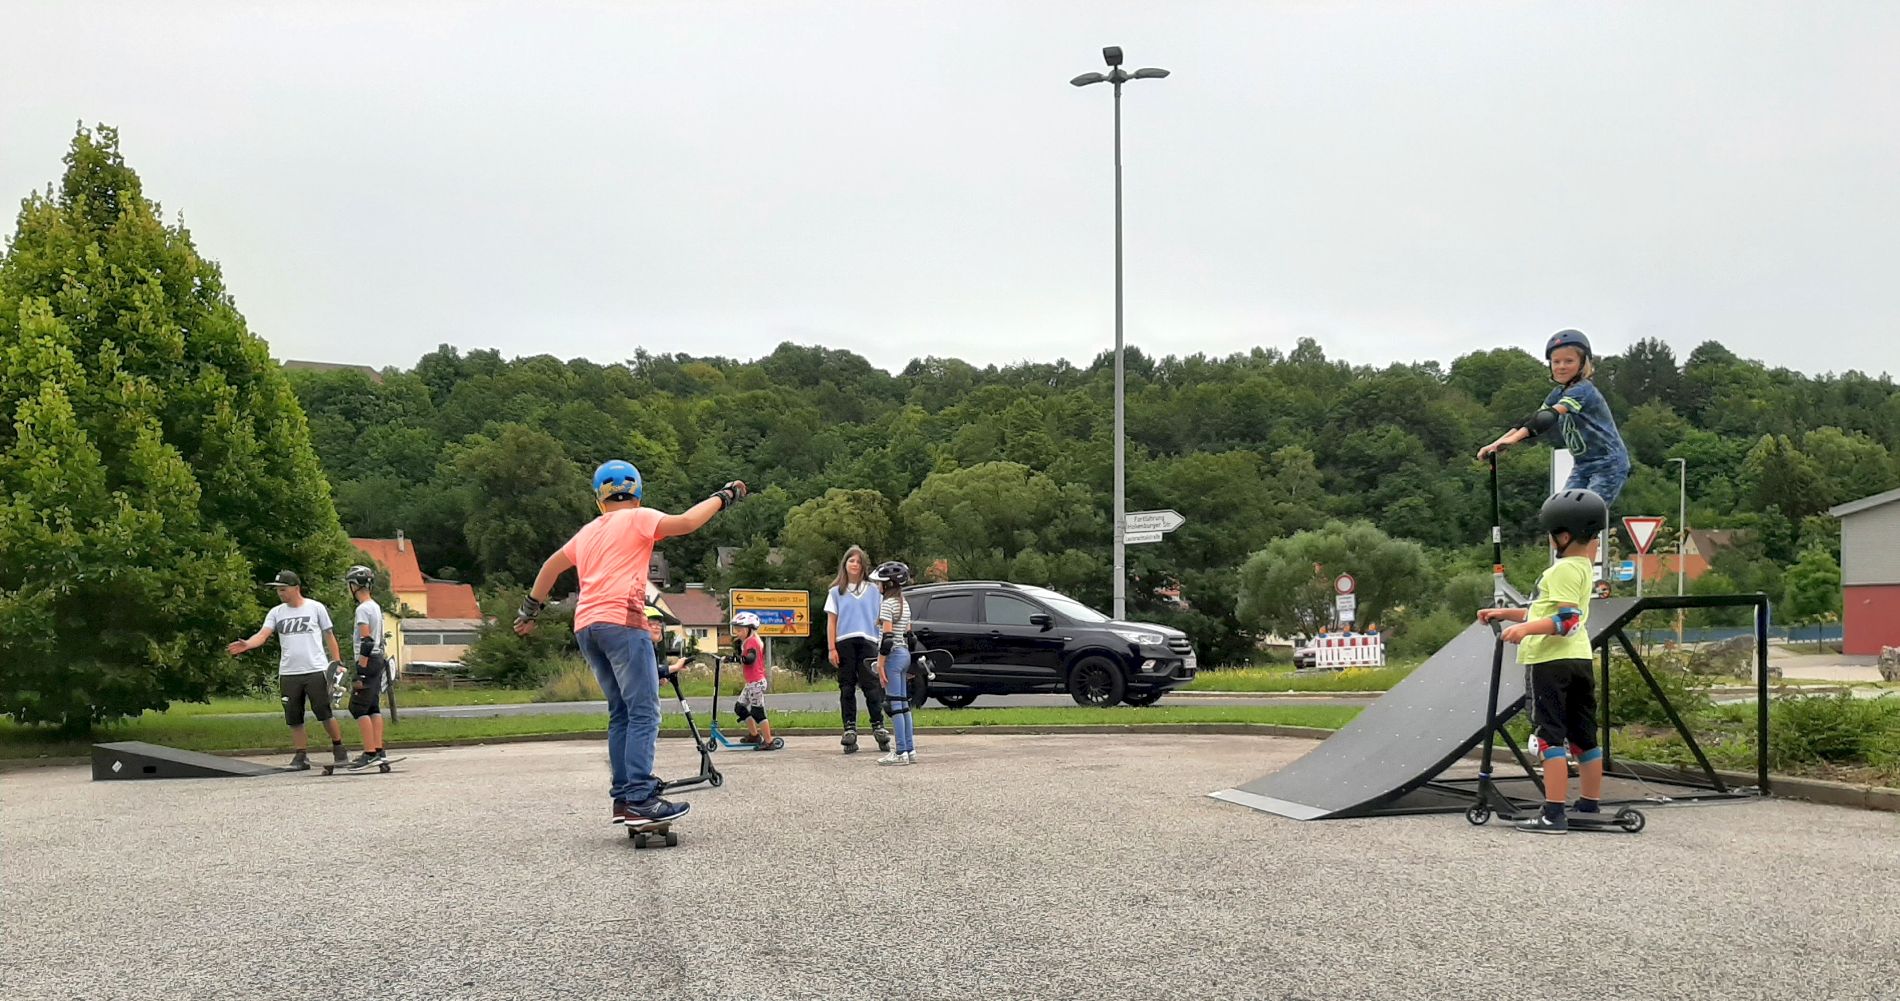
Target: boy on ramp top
[611, 555]
[1577, 409]
[1552, 639]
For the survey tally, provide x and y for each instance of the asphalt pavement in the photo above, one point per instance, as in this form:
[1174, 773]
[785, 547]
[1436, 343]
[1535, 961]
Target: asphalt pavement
[999, 867]
[828, 702]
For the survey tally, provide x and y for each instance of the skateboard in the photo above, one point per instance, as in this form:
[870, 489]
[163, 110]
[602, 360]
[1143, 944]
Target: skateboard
[652, 835]
[381, 766]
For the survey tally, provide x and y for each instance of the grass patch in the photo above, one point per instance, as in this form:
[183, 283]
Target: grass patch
[406, 696]
[576, 683]
[1285, 679]
[229, 732]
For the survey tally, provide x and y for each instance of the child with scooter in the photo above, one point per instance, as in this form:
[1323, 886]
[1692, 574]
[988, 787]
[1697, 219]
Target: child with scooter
[1577, 408]
[893, 659]
[750, 706]
[1552, 639]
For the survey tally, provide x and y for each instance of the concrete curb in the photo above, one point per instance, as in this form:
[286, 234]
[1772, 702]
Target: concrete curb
[1822, 791]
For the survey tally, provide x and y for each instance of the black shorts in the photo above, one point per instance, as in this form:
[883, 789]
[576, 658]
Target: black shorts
[366, 700]
[1564, 703]
[297, 688]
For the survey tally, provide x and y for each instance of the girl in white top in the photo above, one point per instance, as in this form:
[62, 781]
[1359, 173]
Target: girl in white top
[851, 635]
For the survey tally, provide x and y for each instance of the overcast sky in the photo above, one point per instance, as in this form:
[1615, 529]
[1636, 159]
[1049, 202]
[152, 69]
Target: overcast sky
[1399, 181]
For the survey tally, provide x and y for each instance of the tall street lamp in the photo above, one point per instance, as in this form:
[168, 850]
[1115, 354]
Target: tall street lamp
[1118, 76]
[1682, 532]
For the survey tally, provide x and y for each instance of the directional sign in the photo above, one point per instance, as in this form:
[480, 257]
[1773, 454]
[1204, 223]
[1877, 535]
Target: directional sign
[1626, 570]
[781, 613]
[1136, 538]
[1344, 584]
[1642, 531]
[1151, 521]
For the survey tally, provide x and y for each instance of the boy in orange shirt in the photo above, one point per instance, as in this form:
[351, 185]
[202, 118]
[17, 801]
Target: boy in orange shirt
[611, 556]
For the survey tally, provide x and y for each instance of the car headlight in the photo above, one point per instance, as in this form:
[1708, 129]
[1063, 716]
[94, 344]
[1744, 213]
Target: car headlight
[1140, 638]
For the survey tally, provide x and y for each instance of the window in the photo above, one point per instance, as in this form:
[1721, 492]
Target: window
[1003, 610]
[699, 634]
[953, 608]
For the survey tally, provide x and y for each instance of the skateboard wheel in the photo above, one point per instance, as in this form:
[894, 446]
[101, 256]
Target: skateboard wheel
[672, 839]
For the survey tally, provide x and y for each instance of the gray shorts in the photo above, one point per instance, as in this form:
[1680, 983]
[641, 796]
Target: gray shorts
[297, 688]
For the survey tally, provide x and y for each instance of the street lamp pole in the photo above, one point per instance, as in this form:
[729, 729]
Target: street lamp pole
[1682, 533]
[1117, 76]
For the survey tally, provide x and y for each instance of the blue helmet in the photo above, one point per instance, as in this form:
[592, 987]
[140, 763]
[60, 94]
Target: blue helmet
[616, 480]
[1567, 339]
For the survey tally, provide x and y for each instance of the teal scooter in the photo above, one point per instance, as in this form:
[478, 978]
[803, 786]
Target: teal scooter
[716, 740]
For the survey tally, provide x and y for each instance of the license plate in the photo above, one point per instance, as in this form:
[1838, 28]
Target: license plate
[1188, 662]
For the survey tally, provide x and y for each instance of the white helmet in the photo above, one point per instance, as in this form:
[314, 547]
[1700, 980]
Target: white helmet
[748, 619]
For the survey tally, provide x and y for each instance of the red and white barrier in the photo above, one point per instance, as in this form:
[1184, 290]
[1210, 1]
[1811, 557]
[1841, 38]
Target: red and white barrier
[1332, 651]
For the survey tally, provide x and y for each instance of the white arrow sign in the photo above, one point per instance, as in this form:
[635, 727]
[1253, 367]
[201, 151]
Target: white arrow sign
[1136, 538]
[1151, 521]
[1642, 531]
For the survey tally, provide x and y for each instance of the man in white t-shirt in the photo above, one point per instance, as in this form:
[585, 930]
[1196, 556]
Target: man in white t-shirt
[303, 630]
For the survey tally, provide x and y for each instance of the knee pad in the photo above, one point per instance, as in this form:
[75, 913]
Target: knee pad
[758, 712]
[1554, 751]
[896, 707]
[1593, 754]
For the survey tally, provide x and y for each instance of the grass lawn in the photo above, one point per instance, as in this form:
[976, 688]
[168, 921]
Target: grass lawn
[1285, 679]
[406, 695]
[204, 732]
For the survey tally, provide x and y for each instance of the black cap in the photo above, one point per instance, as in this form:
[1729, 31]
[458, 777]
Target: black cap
[286, 579]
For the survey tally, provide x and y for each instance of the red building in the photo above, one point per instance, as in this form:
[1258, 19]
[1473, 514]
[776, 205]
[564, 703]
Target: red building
[1870, 573]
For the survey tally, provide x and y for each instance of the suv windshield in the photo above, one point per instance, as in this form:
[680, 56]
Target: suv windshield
[1066, 605]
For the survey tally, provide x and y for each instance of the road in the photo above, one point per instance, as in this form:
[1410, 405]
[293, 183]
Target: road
[998, 867]
[828, 702]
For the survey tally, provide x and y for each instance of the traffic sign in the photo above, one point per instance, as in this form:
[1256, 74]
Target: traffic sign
[1642, 531]
[1626, 570]
[1344, 584]
[781, 613]
[1346, 605]
[1151, 521]
[1136, 538]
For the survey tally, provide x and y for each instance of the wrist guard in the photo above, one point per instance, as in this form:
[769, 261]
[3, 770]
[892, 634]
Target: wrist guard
[730, 494]
[530, 608]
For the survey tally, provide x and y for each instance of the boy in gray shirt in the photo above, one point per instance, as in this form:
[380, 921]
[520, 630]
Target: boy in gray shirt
[302, 627]
[372, 668]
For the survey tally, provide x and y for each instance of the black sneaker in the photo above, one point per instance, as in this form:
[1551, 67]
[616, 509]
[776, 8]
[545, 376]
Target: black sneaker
[655, 811]
[300, 762]
[342, 756]
[1587, 806]
[1543, 823]
[363, 760]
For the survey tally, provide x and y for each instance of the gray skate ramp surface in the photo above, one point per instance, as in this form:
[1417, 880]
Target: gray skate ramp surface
[1403, 740]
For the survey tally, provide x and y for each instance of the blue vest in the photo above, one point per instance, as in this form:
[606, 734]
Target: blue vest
[857, 616]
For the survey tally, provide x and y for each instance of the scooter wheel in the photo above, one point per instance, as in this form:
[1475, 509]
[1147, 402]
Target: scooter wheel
[712, 746]
[778, 742]
[1631, 819]
[1478, 816]
[717, 780]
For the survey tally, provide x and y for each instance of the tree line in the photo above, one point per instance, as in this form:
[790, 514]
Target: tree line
[158, 463]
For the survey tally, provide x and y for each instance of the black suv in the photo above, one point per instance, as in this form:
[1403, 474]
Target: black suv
[1007, 639]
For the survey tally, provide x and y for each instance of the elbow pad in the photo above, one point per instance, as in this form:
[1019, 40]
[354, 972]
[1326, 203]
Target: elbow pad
[884, 646]
[365, 646]
[1566, 620]
[1540, 422]
[749, 657]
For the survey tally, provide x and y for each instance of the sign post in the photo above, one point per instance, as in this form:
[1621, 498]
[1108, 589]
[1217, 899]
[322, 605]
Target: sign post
[1149, 526]
[1642, 532]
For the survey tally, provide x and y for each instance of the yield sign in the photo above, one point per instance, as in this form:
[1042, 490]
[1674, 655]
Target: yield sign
[1642, 531]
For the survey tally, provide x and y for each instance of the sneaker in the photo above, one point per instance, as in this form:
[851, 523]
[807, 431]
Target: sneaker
[883, 738]
[751, 738]
[1586, 806]
[655, 811]
[1544, 824]
[620, 811]
[300, 762]
[342, 756]
[364, 760]
[893, 758]
[910, 757]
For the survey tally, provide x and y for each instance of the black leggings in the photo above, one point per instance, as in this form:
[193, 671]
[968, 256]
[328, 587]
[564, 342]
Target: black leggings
[855, 671]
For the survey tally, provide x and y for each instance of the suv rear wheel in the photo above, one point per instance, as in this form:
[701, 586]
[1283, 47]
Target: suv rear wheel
[1096, 681]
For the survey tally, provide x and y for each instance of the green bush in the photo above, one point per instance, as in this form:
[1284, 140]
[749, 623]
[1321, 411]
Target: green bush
[1426, 635]
[574, 682]
[1837, 729]
[499, 657]
[1632, 701]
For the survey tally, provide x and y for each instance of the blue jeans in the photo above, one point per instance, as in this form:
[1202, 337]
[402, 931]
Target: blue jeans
[1605, 479]
[896, 666]
[622, 659]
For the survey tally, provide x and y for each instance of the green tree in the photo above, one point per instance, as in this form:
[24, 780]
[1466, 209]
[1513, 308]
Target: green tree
[533, 499]
[1287, 587]
[1779, 476]
[1814, 589]
[155, 458]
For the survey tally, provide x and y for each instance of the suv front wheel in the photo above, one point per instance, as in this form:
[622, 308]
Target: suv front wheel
[1096, 681]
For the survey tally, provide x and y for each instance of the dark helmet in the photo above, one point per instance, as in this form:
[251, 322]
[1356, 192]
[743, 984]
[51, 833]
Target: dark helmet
[360, 576]
[892, 572]
[1567, 339]
[617, 480]
[1580, 512]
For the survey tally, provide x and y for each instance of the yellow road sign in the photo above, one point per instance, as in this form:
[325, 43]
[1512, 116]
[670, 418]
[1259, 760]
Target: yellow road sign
[781, 613]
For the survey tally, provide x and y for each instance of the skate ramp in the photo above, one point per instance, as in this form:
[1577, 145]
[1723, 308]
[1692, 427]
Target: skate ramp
[1404, 740]
[136, 759]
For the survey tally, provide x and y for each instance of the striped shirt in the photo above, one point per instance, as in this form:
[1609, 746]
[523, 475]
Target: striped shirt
[896, 611]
